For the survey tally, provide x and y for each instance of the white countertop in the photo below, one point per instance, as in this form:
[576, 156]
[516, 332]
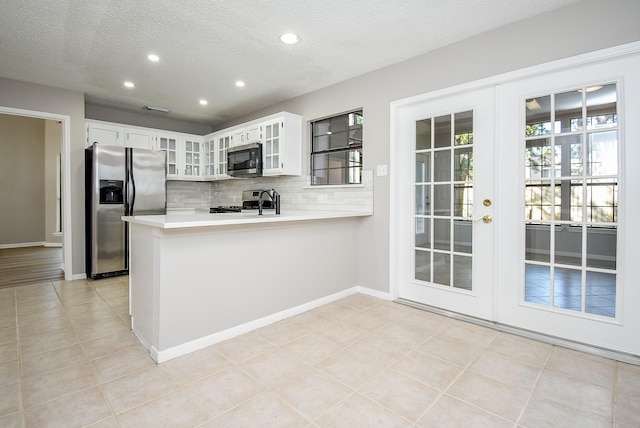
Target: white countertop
[196, 218]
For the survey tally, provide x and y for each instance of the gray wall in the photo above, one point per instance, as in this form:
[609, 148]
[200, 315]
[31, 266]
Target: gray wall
[28, 96]
[22, 180]
[147, 119]
[583, 27]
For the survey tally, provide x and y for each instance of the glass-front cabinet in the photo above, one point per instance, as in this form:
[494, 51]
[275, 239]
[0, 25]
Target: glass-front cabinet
[271, 146]
[209, 156]
[170, 145]
[192, 159]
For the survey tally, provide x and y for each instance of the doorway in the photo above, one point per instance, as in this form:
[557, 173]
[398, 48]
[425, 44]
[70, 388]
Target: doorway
[512, 201]
[65, 175]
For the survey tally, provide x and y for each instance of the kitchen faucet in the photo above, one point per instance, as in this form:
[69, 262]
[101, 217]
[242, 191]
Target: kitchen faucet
[275, 198]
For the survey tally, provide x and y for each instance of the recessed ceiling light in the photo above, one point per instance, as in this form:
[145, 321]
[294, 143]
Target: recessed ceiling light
[204, 102]
[239, 83]
[129, 84]
[289, 39]
[153, 57]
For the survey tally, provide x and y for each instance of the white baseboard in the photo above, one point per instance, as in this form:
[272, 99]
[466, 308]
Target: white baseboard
[374, 293]
[194, 345]
[53, 244]
[23, 244]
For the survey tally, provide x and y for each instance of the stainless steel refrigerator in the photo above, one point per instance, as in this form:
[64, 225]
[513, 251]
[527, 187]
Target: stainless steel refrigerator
[119, 181]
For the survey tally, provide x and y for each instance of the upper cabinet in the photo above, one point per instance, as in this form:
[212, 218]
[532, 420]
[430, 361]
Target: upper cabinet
[193, 157]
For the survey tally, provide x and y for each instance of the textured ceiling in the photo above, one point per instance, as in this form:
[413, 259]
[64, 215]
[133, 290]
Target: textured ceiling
[93, 46]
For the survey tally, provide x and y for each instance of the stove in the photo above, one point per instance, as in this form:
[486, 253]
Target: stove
[226, 209]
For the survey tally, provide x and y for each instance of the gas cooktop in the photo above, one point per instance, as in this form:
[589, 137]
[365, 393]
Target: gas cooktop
[226, 209]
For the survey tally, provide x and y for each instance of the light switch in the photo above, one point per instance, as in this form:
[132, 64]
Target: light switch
[381, 170]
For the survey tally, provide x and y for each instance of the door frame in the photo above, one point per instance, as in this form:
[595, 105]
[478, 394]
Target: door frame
[65, 173]
[398, 163]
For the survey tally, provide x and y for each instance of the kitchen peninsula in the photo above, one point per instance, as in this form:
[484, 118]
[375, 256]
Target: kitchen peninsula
[197, 279]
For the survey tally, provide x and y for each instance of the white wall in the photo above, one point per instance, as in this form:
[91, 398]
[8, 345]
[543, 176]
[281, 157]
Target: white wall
[582, 27]
[52, 151]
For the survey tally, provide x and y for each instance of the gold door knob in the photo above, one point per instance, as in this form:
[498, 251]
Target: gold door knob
[487, 219]
[486, 202]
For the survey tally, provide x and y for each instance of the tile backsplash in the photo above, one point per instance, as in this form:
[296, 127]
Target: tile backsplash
[296, 193]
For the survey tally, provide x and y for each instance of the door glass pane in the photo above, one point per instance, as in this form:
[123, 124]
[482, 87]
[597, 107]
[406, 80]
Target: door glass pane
[423, 198]
[442, 199]
[423, 265]
[442, 165]
[423, 233]
[463, 200]
[423, 167]
[462, 236]
[443, 131]
[442, 268]
[463, 128]
[423, 134]
[463, 164]
[538, 242]
[462, 272]
[442, 234]
[571, 231]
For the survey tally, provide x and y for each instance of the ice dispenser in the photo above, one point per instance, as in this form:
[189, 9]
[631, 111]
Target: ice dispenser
[111, 192]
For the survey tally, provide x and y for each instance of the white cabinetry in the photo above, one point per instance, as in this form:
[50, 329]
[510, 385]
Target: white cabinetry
[170, 145]
[139, 139]
[192, 158]
[103, 133]
[281, 144]
[184, 155]
[247, 134]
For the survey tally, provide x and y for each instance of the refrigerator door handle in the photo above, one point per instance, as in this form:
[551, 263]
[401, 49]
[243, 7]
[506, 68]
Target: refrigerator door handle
[131, 184]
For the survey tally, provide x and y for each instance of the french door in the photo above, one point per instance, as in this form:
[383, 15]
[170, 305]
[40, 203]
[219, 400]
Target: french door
[447, 229]
[518, 202]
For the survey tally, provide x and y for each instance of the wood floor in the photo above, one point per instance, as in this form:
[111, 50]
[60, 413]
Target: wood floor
[30, 265]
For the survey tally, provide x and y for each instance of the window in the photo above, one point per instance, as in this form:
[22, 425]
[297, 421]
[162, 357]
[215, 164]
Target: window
[336, 149]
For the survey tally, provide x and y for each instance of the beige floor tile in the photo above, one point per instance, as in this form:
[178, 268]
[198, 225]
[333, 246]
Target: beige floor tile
[265, 410]
[385, 349]
[336, 311]
[29, 331]
[57, 384]
[518, 348]
[173, 410]
[461, 354]
[282, 332]
[197, 365]
[138, 388]
[7, 321]
[629, 380]
[506, 370]
[359, 301]
[468, 333]
[343, 332]
[111, 422]
[38, 306]
[412, 337]
[114, 301]
[110, 344]
[428, 370]
[98, 316]
[583, 396]
[311, 321]
[8, 352]
[46, 362]
[542, 413]
[87, 332]
[405, 396]
[312, 393]
[244, 347]
[9, 398]
[352, 369]
[627, 411]
[313, 348]
[367, 320]
[274, 367]
[495, 397]
[591, 370]
[79, 409]
[449, 412]
[121, 363]
[45, 316]
[8, 335]
[49, 342]
[9, 372]
[358, 411]
[224, 390]
[13, 420]
[92, 306]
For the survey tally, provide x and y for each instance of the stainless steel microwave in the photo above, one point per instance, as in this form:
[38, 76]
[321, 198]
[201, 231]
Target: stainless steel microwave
[245, 160]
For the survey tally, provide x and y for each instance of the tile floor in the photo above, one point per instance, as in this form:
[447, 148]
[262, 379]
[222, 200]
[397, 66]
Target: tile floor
[67, 359]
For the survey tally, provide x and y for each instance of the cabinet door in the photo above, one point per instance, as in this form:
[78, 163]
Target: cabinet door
[223, 144]
[103, 134]
[209, 157]
[272, 144]
[170, 144]
[192, 158]
[138, 140]
[253, 134]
